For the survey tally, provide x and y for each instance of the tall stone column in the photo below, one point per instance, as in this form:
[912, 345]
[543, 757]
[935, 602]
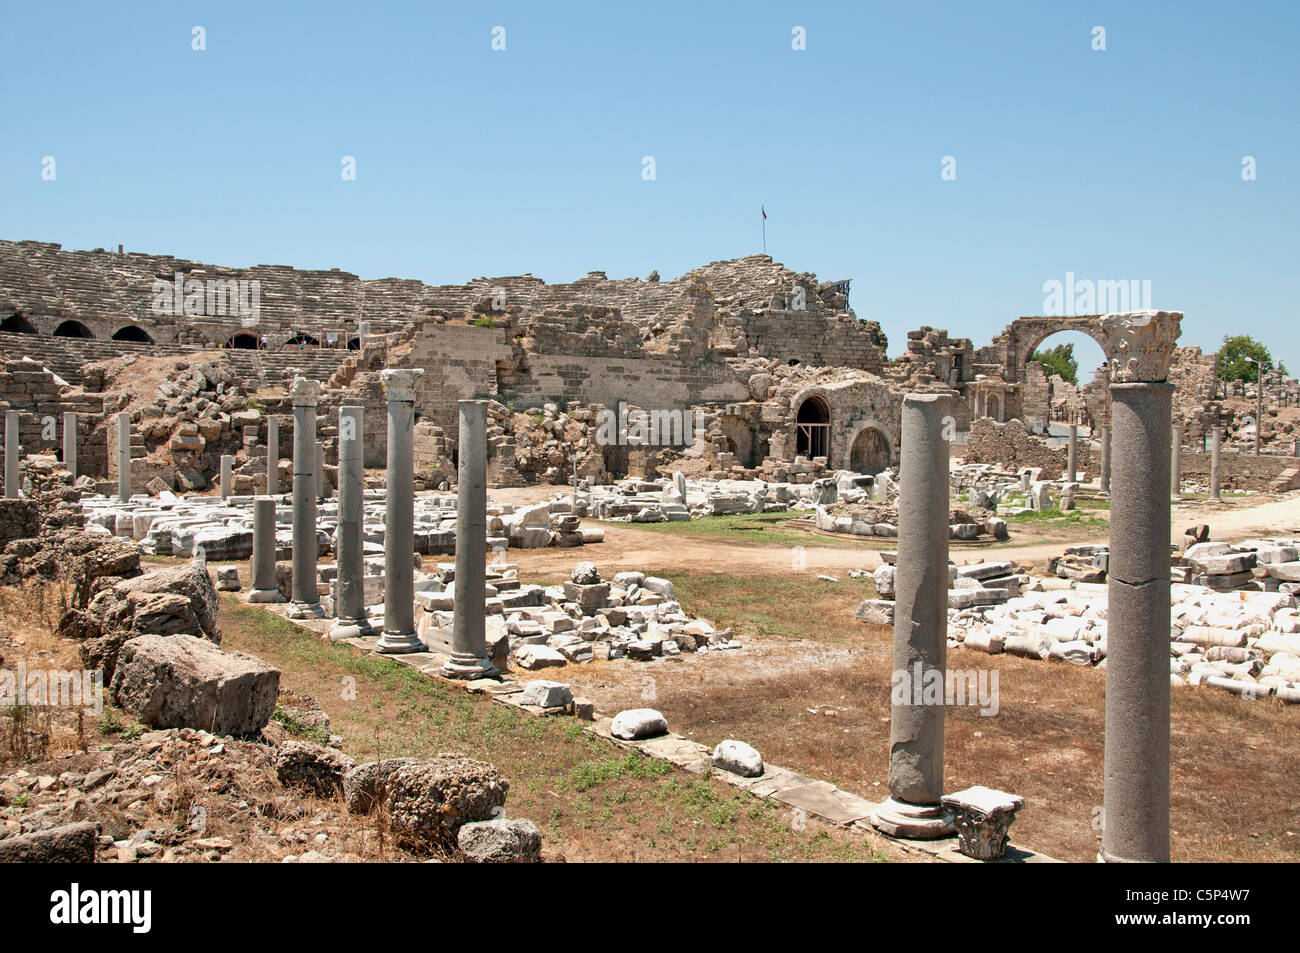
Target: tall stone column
[916, 730]
[1105, 459]
[70, 443]
[469, 658]
[320, 470]
[1072, 454]
[399, 515]
[123, 457]
[1136, 800]
[1176, 463]
[11, 454]
[1216, 462]
[227, 474]
[273, 455]
[349, 591]
[305, 394]
[264, 584]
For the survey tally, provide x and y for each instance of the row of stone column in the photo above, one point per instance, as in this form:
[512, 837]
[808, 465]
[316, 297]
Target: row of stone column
[469, 645]
[13, 451]
[1136, 794]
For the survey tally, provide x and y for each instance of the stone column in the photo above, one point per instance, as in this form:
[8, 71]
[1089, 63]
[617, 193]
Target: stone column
[305, 393]
[272, 455]
[1072, 454]
[264, 585]
[227, 474]
[349, 590]
[399, 515]
[70, 443]
[469, 658]
[914, 808]
[363, 332]
[1105, 459]
[320, 470]
[11, 454]
[1176, 463]
[1216, 462]
[123, 457]
[1136, 800]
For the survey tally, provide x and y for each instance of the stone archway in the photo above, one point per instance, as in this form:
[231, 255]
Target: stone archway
[17, 324]
[72, 329]
[813, 427]
[870, 452]
[131, 332]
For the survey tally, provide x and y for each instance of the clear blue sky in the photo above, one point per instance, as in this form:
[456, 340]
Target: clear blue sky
[1117, 164]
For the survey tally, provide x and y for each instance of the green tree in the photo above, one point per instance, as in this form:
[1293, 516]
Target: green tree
[1238, 355]
[1058, 360]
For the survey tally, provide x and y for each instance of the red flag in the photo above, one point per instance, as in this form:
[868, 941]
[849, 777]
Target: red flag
[764, 211]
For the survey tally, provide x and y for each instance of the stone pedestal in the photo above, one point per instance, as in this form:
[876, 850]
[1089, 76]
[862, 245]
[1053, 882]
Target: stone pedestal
[1136, 800]
[1176, 463]
[227, 474]
[1072, 454]
[914, 809]
[1216, 462]
[469, 658]
[70, 443]
[273, 455]
[399, 515]
[305, 394]
[349, 589]
[11, 454]
[263, 566]
[1105, 459]
[123, 457]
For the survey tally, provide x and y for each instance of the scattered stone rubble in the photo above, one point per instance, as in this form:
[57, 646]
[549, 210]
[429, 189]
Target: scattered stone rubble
[1235, 621]
[631, 616]
[984, 583]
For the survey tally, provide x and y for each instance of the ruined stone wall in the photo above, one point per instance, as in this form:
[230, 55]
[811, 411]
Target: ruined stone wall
[1013, 446]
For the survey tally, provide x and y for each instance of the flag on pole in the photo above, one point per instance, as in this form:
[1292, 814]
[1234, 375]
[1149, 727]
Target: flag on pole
[763, 209]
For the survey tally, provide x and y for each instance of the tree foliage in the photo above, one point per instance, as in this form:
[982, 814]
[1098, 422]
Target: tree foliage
[1058, 360]
[1238, 355]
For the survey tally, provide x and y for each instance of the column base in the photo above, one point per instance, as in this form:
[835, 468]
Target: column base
[912, 821]
[399, 643]
[468, 667]
[265, 595]
[306, 610]
[344, 629]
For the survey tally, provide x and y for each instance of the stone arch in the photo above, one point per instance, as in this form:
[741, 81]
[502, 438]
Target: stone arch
[17, 324]
[993, 407]
[132, 332]
[813, 426]
[305, 340]
[870, 450]
[243, 341]
[72, 329]
[739, 441]
[1023, 336]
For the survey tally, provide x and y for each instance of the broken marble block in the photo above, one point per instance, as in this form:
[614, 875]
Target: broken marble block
[636, 723]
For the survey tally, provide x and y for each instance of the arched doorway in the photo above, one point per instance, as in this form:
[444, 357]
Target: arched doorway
[870, 452]
[993, 407]
[243, 341]
[72, 329]
[813, 428]
[302, 340]
[17, 324]
[132, 333]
